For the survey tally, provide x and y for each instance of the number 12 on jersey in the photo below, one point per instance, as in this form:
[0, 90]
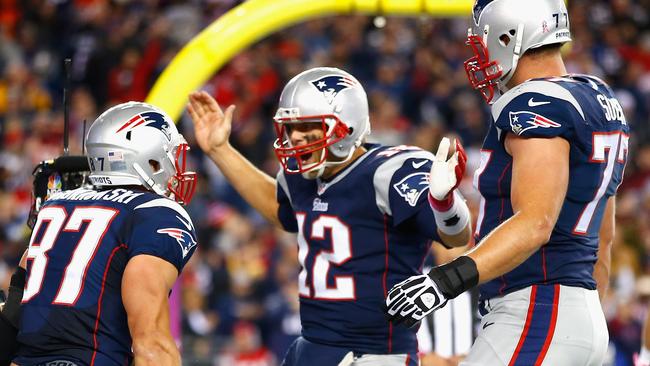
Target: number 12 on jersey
[344, 288]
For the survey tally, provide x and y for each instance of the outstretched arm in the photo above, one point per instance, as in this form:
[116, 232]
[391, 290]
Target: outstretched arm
[212, 129]
[537, 197]
[146, 284]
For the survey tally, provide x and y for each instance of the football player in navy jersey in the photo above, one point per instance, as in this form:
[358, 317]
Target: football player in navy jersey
[551, 164]
[10, 313]
[102, 259]
[365, 214]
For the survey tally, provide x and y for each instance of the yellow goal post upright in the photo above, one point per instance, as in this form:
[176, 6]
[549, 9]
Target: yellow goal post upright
[253, 20]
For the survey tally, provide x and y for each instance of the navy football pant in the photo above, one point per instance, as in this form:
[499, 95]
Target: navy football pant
[303, 352]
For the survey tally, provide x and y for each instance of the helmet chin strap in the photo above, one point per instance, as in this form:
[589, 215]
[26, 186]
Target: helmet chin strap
[321, 168]
[149, 182]
[314, 173]
[327, 164]
[318, 170]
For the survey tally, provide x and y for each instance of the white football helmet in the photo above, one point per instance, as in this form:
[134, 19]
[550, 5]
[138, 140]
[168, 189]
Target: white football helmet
[324, 95]
[503, 31]
[138, 144]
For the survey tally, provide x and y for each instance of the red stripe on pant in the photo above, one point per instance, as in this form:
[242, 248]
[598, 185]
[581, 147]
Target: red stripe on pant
[529, 318]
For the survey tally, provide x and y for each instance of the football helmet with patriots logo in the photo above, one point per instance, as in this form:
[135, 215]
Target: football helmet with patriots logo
[503, 30]
[138, 144]
[332, 98]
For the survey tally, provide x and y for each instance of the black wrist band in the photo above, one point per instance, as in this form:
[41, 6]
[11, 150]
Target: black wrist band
[455, 277]
[18, 278]
[11, 309]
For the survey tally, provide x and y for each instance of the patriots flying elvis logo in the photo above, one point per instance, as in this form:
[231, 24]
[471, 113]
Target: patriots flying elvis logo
[412, 187]
[524, 121]
[331, 85]
[478, 8]
[149, 119]
[184, 239]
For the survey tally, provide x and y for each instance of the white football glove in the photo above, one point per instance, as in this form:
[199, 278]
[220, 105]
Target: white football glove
[412, 299]
[446, 174]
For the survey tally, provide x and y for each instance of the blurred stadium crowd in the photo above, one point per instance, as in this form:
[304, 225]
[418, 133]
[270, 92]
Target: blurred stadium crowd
[239, 293]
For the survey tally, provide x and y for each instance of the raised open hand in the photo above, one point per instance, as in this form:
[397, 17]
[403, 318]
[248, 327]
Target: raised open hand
[211, 125]
[447, 172]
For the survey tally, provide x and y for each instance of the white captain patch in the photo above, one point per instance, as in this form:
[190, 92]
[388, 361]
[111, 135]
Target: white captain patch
[412, 186]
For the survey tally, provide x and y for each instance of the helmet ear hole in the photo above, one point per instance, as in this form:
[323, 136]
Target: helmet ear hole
[504, 40]
[155, 166]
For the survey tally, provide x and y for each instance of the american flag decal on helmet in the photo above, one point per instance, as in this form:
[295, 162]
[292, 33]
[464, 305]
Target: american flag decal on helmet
[525, 120]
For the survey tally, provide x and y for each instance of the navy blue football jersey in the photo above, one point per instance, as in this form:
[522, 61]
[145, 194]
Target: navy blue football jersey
[72, 306]
[583, 110]
[359, 234]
